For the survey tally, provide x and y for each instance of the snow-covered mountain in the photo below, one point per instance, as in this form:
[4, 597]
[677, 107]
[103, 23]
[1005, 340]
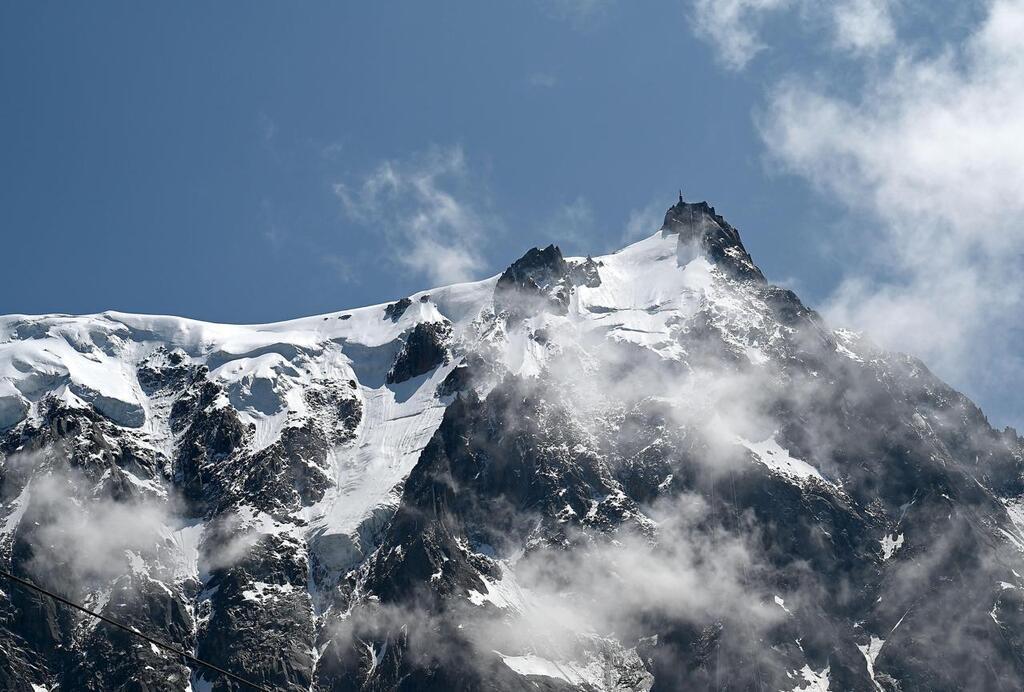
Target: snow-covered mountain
[650, 470]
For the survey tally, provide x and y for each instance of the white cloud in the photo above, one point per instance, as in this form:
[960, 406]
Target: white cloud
[863, 26]
[78, 539]
[733, 27]
[422, 207]
[933, 149]
[688, 573]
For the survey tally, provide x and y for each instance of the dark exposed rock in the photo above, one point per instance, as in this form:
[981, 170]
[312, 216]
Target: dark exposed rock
[537, 269]
[350, 412]
[286, 475]
[113, 659]
[698, 223]
[425, 348]
[542, 280]
[260, 624]
[82, 439]
[459, 379]
[210, 434]
[539, 280]
[465, 375]
[166, 370]
[340, 405]
[394, 311]
[585, 273]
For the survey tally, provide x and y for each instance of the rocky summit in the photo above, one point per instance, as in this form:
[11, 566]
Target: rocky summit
[650, 470]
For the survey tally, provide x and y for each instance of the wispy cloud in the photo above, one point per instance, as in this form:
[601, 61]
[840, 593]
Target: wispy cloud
[427, 208]
[735, 28]
[580, 13]
[267, 127]
[644, 221]
[273, 232]
[577, 228]
[78, 539]
[342, 268]
[572, 224]
[542, 80]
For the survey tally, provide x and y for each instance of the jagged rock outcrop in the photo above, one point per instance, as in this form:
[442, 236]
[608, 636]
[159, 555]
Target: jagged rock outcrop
[535, 281]
[425, 348]
[543, 281]
[585, 273]
[697, 223]
[394, 311]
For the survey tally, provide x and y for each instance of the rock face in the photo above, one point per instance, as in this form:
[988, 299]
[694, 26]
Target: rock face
[425, 348]
[697, 223]
[650, 470]
[537, 281]
[543, 281]
[395, 310]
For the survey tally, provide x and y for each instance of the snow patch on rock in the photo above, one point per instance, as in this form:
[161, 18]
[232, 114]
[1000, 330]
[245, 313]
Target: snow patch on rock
[890, 544]
[871, 651]
[812, 681]
[770, 453]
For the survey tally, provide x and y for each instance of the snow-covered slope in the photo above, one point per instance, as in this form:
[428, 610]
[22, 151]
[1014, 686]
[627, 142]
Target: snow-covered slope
[650, 469]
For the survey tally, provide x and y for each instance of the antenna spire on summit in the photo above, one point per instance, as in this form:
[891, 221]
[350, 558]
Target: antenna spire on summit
[680, 196]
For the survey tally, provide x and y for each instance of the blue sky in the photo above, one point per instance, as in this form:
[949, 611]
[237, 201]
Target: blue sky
[249, 162]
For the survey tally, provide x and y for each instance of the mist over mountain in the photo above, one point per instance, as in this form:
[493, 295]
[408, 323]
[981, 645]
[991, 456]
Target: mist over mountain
[649, 470]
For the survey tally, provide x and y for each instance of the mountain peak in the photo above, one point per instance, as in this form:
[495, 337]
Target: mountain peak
[385, 497]
[698, 222]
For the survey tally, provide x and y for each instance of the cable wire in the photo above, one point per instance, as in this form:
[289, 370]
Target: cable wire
[132, 630]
